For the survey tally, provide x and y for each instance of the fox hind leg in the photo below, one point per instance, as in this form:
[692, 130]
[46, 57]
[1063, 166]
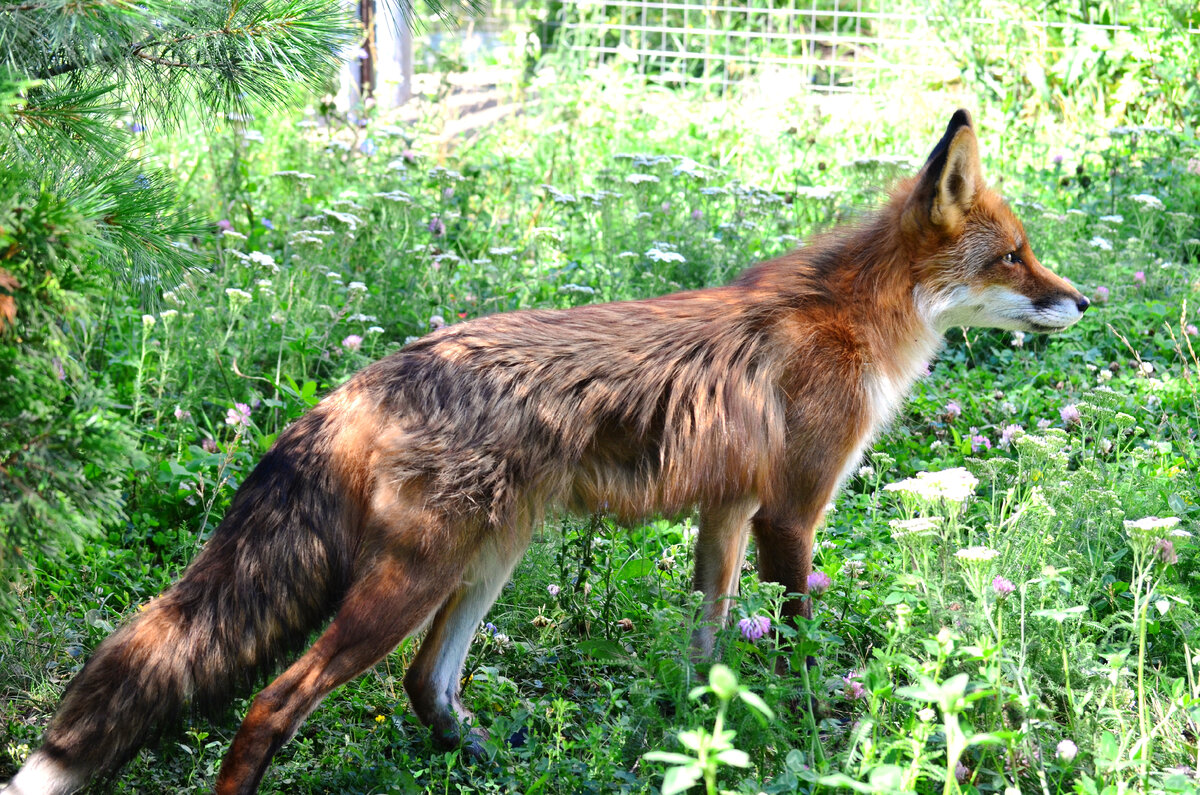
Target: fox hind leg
[720, 552]
[433, 680]
[389, 602]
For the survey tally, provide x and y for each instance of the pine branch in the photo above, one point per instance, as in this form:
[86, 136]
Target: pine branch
[224, 54]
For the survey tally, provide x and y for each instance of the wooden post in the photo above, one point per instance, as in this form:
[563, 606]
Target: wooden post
[366, 67]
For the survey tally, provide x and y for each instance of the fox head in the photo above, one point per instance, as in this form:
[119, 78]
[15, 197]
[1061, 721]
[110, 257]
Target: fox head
[973, 262]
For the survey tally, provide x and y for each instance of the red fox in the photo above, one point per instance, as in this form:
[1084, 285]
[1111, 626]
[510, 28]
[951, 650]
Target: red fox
[404, 499]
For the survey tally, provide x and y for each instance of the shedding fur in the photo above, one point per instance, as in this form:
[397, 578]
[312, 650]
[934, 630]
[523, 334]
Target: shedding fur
[404, 499]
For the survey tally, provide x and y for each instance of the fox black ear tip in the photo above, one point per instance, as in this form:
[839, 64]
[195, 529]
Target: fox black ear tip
[961, 118]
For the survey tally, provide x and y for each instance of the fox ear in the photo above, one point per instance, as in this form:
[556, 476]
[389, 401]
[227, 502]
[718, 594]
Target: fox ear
[952, 176]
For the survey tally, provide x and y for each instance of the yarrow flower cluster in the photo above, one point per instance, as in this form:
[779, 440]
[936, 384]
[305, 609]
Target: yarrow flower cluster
[1148, 201]
[1155, 525]
[976, 554]
[237, 297]
[658, 255]
[952, 485]
[1151, 529]
[920, 526]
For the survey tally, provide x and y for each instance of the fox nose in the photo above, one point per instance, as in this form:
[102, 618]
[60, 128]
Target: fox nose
[1082, 304]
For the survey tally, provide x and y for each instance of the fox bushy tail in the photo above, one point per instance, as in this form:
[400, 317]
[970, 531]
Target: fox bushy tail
[273, 571]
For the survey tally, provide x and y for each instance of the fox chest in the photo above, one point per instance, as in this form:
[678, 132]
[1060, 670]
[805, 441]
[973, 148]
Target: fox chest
[880, 397]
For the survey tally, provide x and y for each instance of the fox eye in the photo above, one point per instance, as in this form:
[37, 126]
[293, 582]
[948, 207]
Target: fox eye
[1012, 258]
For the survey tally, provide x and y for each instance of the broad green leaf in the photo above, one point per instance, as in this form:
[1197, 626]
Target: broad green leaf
[669, 757]
[723, 682]
[735, 757]
[638, 567]
[680, 779]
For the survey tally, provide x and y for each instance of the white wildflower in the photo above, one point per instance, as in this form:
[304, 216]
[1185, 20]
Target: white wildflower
[818, 192]
[688, 167]
[349, 219]
[1151, 523]
[922, 525]
[265, 260]
[954, 485]
[976, 554]
[441, 172]
[658, 255]
[1148, 201]
[638, 179]
[1100, 243]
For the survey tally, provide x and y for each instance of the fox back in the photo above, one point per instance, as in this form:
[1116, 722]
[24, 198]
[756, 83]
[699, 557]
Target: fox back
[406, 497]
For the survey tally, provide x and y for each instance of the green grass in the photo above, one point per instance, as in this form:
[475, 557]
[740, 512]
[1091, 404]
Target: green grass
[921, 664]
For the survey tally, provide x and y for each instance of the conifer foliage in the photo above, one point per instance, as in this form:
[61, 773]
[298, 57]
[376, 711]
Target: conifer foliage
[83, 216]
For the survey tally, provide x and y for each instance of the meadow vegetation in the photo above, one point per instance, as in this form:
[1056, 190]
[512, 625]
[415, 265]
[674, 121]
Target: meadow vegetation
[1007, 588]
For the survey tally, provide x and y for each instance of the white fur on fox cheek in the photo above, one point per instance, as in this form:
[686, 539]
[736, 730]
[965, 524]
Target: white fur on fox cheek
[964, 306]
[991, 307]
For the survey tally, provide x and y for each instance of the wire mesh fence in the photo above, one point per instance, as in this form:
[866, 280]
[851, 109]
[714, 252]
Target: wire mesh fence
[831, 45]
